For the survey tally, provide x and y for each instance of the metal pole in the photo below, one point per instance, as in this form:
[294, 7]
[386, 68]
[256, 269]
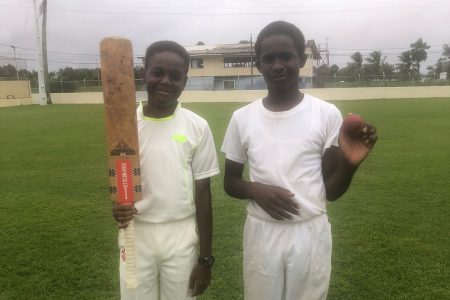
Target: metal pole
[251, 59]
[98, 73]
[26, 69]
[44, 51]
[41, 84]
[15, 60]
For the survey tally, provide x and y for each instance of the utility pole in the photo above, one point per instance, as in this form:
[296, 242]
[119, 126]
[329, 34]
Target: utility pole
[41, 84]
[251, 58]
[15, 60]
[98, 73]
[44, 51]
[325, 60]
[26, 69]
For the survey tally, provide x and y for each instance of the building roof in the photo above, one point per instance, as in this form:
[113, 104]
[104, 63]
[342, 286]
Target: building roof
[236, 49]
[315, 52]
[210, 50]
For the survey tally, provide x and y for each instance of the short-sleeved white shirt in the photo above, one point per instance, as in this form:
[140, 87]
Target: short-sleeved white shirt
[285, 149]
[174, 151]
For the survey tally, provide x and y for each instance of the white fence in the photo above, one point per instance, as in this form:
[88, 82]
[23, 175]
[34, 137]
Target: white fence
[247, 96]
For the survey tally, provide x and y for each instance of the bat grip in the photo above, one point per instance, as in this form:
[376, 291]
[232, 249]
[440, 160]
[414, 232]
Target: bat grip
[130, 258]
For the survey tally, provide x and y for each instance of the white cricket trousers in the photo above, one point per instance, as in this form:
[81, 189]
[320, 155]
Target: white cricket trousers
[287, 261]
[165, 257]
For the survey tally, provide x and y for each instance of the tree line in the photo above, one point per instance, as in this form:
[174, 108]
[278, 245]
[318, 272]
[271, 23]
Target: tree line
[374, 66]
[65, 79]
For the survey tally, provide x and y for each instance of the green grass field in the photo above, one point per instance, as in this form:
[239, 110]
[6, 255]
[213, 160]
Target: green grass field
[58, 239]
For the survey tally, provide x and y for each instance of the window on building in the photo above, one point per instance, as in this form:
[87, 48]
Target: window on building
[238, 62]
[197, 63]
[228, 84]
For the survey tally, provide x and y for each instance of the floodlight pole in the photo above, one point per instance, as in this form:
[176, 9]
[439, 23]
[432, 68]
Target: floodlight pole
[15, 60]
[44, 51]
[41, 84]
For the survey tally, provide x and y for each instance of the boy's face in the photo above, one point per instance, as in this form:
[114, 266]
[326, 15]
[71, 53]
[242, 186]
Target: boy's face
[279, 62]
[165, 78]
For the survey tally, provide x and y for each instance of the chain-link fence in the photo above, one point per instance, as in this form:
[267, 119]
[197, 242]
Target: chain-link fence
[73, 86]
[379, 81]
[78, 86]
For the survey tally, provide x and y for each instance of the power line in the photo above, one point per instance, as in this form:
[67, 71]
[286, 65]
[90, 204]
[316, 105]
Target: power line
[26, 23]
[387, 3]
[389, 53]
[331, 49]
[221, 12]
[137, 56]
[207, 11]
[23, 48]
[378, 49]
[60, 62]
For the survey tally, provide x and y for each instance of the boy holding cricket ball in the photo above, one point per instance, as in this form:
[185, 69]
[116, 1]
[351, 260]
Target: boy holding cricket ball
[300, 154]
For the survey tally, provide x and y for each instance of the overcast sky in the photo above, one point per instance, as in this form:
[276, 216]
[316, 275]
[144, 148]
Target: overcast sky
[75, 27]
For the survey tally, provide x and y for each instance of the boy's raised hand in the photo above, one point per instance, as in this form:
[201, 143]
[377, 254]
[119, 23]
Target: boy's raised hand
[276, 201]
[356, 138]
[123, 213]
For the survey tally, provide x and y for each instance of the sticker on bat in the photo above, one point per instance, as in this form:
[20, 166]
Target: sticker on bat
[124, 181]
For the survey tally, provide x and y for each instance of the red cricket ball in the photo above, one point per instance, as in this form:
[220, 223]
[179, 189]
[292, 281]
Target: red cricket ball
[352, 125]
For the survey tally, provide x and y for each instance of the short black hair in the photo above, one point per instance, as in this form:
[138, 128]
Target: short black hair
[170, 46]
[285, 28]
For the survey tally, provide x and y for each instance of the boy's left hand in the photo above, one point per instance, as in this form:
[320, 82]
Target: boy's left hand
[356, 140]
[199, 280]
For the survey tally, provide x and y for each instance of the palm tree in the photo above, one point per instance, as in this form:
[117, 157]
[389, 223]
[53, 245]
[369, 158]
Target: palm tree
[446, 51]
[446, 56]
[387, 70]
[431, 71]
[419, 53]
[440, 65]
[406, 63]
[374, 62]
[356, 66]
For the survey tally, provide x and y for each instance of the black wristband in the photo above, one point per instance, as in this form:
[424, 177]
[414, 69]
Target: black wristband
[207, 261]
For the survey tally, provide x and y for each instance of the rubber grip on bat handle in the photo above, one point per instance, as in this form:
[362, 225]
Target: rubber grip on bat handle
[130, 256]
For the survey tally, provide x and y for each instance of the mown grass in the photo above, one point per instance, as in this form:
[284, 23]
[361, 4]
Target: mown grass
[58, 239]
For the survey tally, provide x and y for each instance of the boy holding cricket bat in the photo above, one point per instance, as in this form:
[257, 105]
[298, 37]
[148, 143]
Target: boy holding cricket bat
[177, 157]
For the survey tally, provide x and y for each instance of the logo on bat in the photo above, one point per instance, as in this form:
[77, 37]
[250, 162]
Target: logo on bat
[122, 148]
[124, 181]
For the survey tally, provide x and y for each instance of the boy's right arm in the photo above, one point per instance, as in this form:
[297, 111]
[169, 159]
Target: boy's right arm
[276, 201]
[123, 213]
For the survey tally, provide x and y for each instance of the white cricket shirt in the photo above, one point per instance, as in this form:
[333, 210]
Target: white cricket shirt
[174, 151]
[285, 149]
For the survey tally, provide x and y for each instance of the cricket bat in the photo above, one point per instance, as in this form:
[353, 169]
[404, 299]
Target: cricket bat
[119, 96]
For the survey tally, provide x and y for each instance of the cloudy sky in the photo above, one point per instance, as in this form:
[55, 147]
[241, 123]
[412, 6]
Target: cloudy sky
[75, 27]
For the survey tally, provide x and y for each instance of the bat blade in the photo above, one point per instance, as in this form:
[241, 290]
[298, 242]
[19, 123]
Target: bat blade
[122, 143]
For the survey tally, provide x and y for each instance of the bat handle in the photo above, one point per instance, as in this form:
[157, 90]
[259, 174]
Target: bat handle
[130, 258]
